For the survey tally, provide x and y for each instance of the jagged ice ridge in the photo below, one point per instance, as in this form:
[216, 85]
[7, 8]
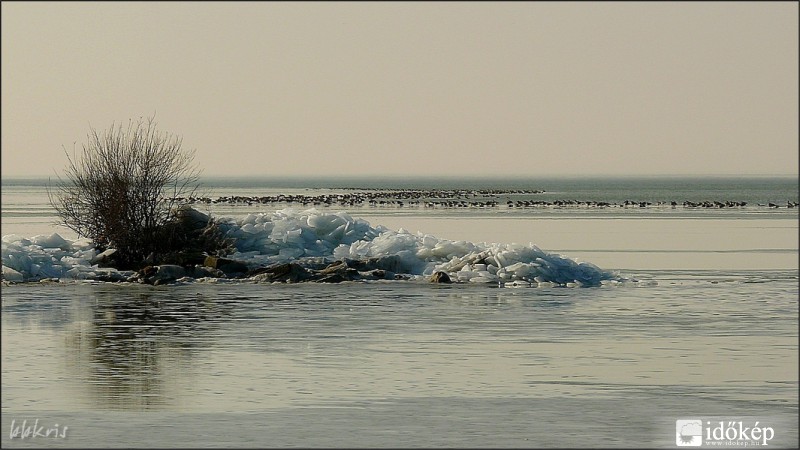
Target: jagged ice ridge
[289, 235]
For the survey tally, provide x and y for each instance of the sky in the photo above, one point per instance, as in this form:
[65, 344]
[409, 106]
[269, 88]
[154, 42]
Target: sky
[411, 89]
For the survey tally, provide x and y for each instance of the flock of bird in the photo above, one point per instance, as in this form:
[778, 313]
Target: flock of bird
[445, 198]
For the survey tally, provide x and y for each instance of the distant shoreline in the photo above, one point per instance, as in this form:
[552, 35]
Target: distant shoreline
[401, 180]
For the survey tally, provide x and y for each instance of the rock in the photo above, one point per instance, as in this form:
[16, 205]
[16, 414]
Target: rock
[335, 267]
[229, 266]
[186, 258]
[162, 274]
[440, 277]
[200, 271]
[170, 272]
[359, 264]
[148, 271]
[112, 276]
[192, 218]
[377, 274]
[335, 278]
[211, 261]
[287, 273]
[341, 269]
[392, 263]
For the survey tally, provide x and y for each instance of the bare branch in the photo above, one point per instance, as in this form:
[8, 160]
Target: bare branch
[124, 188]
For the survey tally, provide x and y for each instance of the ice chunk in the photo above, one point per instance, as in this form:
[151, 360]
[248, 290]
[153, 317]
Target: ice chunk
[290, 253]
[10, 274]
[103, 256]
[53, 241]
[249, 228]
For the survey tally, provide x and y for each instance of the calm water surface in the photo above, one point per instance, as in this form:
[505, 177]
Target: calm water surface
[387, 364]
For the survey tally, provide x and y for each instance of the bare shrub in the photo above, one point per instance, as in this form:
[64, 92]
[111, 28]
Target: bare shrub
[123, 191]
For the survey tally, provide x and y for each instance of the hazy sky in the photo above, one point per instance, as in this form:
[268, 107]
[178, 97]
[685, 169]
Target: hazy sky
[411, 88]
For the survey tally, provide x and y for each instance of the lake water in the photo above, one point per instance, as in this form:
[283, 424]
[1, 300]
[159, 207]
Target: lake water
[709, 332]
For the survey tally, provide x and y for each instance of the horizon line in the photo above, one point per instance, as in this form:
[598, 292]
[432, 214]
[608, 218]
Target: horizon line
[455, 177]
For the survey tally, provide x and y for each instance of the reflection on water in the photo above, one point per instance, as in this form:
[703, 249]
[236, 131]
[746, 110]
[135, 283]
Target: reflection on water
[359, 363]
[132, 342]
